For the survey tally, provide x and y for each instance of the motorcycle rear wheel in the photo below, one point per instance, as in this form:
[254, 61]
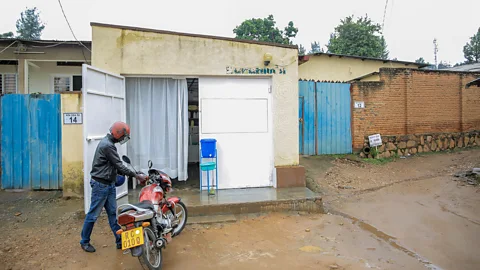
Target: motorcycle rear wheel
[151, 256]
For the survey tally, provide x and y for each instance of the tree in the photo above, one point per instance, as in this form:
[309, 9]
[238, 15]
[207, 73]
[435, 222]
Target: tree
[420, 61]
[265, 30]
[362, 37]
[315, 48]
[301, 50]
[471, 50]
[29, 26]
[443, 65]
[7, 35]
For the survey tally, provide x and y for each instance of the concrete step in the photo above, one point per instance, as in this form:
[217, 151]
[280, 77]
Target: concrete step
[312, 204]
[211, 219]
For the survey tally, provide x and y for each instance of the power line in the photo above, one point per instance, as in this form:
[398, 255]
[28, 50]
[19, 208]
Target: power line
[4, 49]
[384, 14]
[50, 46]
[71, 30]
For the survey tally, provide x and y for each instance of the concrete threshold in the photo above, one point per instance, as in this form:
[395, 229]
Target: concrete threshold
[304, 205]
[252, 200]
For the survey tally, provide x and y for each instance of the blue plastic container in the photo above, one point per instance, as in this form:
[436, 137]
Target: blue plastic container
[208, 147]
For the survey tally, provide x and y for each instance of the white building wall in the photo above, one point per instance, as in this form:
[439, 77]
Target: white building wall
[40, 80]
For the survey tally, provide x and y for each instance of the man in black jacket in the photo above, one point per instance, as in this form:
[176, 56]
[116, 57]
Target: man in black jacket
[105, 167]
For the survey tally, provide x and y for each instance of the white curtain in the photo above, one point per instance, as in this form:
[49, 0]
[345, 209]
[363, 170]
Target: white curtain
[157, 112]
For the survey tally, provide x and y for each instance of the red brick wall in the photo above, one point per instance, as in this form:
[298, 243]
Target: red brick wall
[409, 101]
[470, 105]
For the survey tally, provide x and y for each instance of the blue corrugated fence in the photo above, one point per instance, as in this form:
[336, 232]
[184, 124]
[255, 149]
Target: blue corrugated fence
[324, 118]
[31, 142]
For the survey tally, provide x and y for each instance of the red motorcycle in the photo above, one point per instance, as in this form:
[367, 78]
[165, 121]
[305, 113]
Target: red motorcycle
[148, 226]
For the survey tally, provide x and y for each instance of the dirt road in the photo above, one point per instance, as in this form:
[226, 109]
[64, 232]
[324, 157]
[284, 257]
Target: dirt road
[413, 202]
[407, 214]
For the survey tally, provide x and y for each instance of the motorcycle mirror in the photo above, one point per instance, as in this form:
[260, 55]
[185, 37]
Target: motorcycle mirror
[126, 159]
[150, 164]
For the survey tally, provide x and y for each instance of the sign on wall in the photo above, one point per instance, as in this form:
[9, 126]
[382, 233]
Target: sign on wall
[359, 105]
[256, 70]
[72, 118]
[375, 140]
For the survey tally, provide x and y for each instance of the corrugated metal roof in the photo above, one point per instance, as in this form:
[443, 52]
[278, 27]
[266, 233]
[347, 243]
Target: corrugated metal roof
[365, 76]
[368, 58]
[469, 68]
[132, 28]
[45, 41]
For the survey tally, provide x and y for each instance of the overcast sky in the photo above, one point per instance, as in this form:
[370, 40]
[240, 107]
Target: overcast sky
[410, 25]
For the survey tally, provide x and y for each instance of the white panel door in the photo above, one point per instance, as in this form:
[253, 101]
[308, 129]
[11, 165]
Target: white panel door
[237, 112]
[103, 104]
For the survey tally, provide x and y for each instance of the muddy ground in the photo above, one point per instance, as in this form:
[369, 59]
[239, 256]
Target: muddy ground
[405, 214]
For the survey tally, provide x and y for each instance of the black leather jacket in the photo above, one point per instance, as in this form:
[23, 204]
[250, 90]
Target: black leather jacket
[106, 162]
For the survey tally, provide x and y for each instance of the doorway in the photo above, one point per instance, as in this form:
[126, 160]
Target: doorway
[193, 136]
[157, 112]
[164, 121]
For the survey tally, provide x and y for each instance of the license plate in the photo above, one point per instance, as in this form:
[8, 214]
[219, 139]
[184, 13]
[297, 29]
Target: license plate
[132, 238]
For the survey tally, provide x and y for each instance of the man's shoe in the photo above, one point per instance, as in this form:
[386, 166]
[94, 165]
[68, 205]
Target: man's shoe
[88, 248]
[119, 246]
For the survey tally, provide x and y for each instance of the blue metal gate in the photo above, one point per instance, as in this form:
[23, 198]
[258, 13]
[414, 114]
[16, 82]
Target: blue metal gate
[324, 118]
[31, 142]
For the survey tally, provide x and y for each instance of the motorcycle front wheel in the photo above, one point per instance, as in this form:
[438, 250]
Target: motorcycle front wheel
[180, 219]
[151, 256]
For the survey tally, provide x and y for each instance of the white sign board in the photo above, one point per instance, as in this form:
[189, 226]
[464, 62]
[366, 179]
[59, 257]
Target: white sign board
[359, 105]
[375, 140]
[72, 118]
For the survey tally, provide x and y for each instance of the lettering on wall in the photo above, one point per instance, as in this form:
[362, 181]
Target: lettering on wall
[257, 71]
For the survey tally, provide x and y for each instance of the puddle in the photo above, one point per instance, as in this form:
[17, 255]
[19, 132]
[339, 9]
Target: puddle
[392, 241]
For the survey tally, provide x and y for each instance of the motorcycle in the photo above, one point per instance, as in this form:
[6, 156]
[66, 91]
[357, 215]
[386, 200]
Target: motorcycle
[148, 226]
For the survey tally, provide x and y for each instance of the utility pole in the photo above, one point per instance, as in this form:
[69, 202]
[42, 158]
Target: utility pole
[435, 51]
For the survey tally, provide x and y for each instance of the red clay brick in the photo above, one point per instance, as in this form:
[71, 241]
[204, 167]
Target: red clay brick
[409, 101]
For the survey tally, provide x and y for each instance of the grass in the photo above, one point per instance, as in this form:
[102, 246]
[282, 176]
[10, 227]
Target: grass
[379, 161]
[383, 161]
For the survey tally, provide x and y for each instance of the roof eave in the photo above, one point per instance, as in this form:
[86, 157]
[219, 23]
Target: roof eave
[370, 58]
[165, 32]
[47, 42]
[365, 76]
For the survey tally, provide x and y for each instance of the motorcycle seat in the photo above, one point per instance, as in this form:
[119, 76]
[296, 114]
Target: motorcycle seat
[143, 204]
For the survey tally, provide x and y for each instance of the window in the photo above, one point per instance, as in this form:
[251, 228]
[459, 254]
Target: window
[8, 83]
[62, 83]
[77, 83]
